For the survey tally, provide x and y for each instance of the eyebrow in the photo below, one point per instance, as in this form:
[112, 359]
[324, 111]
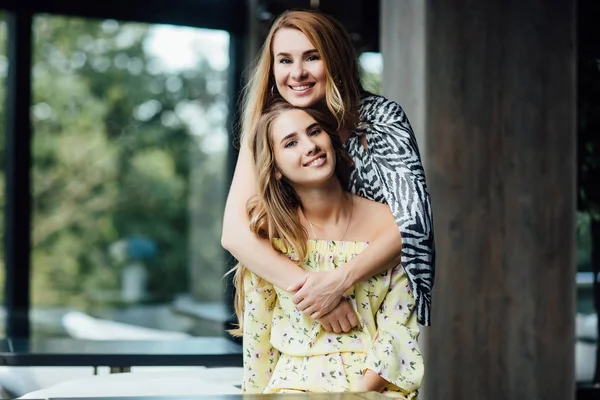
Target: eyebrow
[288, 137]
[306, 52]
[308, 128]
[311, 126]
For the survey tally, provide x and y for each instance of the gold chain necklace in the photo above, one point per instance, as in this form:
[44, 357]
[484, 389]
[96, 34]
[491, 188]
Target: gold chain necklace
[347, 225]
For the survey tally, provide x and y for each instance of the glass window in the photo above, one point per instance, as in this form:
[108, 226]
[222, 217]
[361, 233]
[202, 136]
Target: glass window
[371, 69]
[3, 73]
[585, 298]
[128, 178]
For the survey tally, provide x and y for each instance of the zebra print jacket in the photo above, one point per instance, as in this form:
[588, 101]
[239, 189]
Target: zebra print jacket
[390, 171]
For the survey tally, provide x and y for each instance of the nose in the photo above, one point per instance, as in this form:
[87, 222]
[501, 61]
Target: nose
[311, 147]
[298, 73]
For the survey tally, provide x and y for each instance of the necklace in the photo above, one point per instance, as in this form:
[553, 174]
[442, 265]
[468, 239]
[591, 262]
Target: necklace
[347, 225]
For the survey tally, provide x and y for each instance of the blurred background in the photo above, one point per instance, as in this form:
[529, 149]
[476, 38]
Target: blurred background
[118, 187]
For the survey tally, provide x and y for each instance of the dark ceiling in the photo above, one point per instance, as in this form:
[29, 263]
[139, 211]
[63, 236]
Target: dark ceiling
[361, 17]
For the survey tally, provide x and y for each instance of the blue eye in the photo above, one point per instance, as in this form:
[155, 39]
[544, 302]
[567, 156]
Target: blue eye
[285, 61]
[312, 58]
[315, 131]
[291, 143]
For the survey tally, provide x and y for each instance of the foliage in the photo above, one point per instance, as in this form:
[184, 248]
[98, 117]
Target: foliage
[371, 81]
[114, 156]
[588, 138]
[588, 108]
[584, 242]
[589, 135]
[370, 76]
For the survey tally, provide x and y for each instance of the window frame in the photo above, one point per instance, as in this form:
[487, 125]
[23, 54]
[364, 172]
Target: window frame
[207, 14]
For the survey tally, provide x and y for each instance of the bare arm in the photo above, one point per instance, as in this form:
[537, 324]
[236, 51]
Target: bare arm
[254, 253]
[383, 253]
[372, 382]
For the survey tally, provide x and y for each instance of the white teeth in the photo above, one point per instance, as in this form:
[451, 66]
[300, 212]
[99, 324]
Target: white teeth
[300, 88]
[318, 161]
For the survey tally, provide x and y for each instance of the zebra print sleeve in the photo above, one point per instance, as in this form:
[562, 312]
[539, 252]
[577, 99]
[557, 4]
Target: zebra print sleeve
[397, 162]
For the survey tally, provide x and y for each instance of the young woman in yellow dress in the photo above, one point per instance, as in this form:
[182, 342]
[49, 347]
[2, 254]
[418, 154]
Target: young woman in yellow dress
[303, 207]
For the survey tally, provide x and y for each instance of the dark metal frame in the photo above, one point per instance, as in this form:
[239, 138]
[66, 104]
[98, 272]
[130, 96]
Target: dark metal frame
[229, 15]
[120, 355]
[17, 212]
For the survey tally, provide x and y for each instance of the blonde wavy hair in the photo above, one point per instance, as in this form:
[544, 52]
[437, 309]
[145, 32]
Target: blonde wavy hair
[273, 211]
[342, 89]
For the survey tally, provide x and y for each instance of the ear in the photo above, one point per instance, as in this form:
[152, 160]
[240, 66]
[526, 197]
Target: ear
[278, 174]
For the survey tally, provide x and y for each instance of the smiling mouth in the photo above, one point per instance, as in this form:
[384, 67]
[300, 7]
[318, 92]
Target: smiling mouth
[317, 162]
[300, 88]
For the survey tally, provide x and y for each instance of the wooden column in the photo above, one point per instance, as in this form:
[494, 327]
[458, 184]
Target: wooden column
[501, 170]
[490, 90]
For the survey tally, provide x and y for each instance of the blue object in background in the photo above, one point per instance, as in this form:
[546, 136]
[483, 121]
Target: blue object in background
[140, 248]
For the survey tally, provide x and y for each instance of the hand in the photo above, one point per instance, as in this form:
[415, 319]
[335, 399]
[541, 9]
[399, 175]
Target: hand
[341, 319]
[319, 293]
[372, 382]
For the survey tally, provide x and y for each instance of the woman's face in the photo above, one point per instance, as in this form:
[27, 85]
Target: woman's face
[302, 150]
[298, 68]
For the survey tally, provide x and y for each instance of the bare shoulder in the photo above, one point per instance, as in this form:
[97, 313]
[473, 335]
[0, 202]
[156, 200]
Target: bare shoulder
[371, 218]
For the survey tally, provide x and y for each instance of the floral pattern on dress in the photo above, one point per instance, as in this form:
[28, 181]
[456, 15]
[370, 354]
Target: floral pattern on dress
[286, 351]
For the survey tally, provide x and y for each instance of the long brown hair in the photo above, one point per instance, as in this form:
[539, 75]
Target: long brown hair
[343, 88]
[273, 211]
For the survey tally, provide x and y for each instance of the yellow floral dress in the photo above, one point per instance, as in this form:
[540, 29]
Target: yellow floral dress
[286, 351]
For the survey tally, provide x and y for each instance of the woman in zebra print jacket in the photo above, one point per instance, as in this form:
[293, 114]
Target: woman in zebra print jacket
[308, 59]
